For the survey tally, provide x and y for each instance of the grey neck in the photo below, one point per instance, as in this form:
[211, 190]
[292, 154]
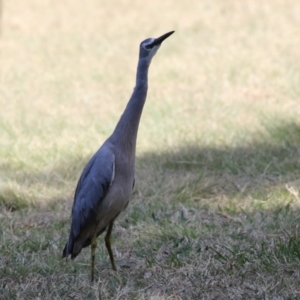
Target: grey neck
[125, 133]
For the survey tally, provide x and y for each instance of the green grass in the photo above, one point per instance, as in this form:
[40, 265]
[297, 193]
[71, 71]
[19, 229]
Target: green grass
[215, 210]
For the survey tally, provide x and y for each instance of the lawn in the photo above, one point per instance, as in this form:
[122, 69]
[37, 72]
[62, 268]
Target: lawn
[215, 212]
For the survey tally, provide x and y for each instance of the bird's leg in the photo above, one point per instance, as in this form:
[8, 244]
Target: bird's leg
[108, 245]
[93, 250]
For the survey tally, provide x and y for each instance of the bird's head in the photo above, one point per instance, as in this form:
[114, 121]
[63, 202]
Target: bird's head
[149, 46]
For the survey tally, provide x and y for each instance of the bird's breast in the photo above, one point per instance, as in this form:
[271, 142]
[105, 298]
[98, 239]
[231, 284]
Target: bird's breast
[117, 198]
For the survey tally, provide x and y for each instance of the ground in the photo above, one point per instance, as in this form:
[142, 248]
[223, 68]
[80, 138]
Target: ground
[215, 209]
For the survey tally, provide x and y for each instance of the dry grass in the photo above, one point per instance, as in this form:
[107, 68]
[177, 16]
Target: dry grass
[215, 212]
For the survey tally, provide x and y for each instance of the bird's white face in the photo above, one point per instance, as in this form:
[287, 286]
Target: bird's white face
[147, 45]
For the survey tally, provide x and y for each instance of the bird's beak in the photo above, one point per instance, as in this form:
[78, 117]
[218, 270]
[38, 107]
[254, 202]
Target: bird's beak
[159, 40]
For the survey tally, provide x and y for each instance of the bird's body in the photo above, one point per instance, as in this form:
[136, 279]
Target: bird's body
[105, 186]
[113, 190]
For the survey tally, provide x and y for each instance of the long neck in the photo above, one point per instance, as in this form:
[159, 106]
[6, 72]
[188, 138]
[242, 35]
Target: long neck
[125, 133]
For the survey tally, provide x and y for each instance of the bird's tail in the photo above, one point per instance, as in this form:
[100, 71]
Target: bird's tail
[74, 251]
[69, 250]
[65, 251]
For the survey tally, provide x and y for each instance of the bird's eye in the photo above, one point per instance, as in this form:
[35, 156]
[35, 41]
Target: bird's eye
[147, 47]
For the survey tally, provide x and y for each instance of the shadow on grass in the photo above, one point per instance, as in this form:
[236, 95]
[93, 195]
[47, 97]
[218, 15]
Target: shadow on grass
[269, 161]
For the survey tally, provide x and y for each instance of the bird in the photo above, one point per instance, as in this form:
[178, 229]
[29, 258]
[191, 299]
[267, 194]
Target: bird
[105, 186]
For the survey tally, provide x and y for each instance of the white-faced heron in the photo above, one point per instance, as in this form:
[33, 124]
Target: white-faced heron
[105, 185]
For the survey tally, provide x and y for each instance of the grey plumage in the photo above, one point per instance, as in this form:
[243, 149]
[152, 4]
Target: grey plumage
[105, 186]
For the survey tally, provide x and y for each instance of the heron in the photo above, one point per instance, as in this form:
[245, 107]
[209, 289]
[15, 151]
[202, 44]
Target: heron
[106, 183]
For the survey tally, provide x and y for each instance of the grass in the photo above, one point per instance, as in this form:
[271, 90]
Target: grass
[215, 210]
